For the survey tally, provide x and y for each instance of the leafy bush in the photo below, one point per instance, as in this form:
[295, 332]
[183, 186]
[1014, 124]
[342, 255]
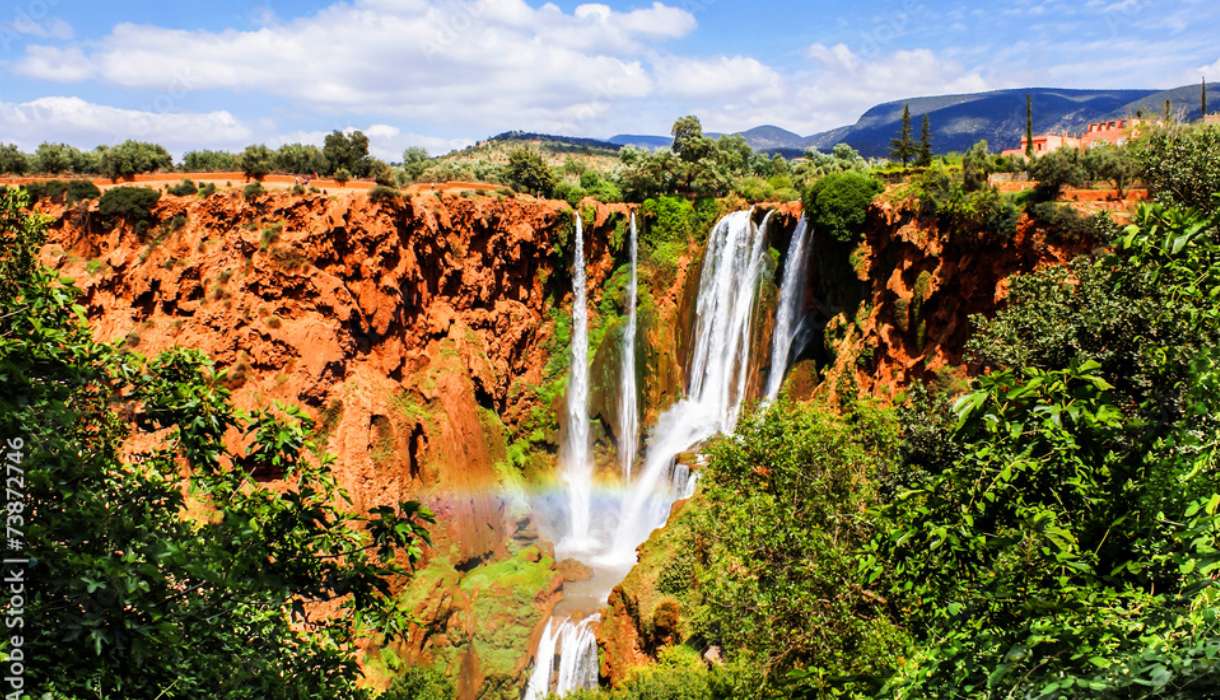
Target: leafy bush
[1056, 170]
[299, 159]
[183, 189]
[384, 195]
[528, 172]
[1065, 224]
[253, 191]
[133, 204]
[133, 157]
[420, 683]
[59, 158]
[1181, 164]
[63, 191]
[800, 477]
[257, 161]
[342, 176]
[837, 204]
[1111, 163]
[210, 161]
[12, 160]
[207, 190]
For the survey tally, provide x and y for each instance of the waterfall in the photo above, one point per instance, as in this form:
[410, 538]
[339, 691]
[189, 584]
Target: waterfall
[628, 408]
[544, 659]
[787, 316]
[577, 463]
[719, 370]
[576, 646]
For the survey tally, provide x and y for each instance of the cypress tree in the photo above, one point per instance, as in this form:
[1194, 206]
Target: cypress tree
[1168, 111]
[1029, 126]
[903, 148]
[923, 156]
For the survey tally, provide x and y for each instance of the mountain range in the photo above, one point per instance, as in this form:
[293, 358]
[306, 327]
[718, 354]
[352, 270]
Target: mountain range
[959, 121]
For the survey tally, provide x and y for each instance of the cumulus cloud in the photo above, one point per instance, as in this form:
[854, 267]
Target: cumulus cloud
[473, 64]
[50, 28]
[73, 120]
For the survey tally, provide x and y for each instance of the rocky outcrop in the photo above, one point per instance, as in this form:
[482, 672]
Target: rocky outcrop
[411, 329]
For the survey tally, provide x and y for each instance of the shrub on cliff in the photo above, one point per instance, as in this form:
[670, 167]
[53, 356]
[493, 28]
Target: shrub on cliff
[63, 191]
[144, 592]
[133, 204]
[183, 189]
[384, 195]
[837, 204]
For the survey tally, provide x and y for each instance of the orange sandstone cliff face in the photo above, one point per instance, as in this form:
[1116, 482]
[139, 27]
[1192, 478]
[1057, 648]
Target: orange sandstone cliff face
[412, 330]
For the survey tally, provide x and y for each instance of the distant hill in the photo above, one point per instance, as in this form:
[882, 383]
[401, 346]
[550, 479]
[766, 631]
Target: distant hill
[641, 141]
[957, 121]
[553, 139]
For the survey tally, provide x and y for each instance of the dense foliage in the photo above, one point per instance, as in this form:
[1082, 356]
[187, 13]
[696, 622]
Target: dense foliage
[1052, 532]
[166, 564]
[837, 204]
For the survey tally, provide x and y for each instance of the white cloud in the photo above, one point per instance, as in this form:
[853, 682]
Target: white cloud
[55, 64]
[52, 28]
[470, 65]
[73, 120]
[724, 76]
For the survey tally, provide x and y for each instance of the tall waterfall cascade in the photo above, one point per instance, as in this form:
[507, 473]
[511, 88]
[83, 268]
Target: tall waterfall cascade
[628, 404]
[787, 316]
[566, 659]
[575, 455]
[719, 370]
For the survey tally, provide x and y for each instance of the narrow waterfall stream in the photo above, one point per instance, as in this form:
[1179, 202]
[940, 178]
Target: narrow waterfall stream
[628, 404]
[787, 316]
[566, 656]
[575, 458]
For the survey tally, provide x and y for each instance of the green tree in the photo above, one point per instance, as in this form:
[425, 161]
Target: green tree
[976, 166]
[837, 205]
[12, 160]
[923, 155]
[689, 142]
[1029, 126]
[133, 157]
[210, 161]
[300, 159]
[1115, 164]
[414, 161]
[1056, 170]
[143, 590]
[903, 148]
[257, 161]
[348, 152]
[528, 172]
[1181, 164]
[56, 158]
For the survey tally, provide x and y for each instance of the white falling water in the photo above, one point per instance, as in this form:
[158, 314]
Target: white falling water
[719, 369]
[576, 646]
[544, 661]
[628, 408]
[577, 464]
[787, 316]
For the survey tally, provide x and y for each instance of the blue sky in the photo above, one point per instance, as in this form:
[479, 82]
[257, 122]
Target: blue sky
[441, 74]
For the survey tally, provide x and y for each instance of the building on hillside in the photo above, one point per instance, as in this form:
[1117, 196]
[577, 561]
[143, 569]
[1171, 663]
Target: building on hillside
[1115, 132]
[1043, 144]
